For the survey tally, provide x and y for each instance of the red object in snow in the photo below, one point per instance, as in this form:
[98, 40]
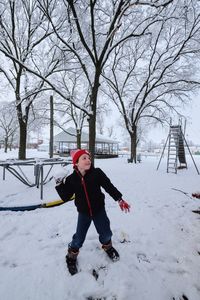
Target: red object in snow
[124, 205]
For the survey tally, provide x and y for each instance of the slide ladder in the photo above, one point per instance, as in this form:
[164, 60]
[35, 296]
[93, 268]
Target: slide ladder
[176, 151]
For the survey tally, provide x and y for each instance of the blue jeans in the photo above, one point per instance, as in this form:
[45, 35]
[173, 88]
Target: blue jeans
[101, 223]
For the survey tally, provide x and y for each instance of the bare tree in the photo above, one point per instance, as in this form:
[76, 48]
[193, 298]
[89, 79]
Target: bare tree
[103, 112]
[91, 30]
[157, 74]
[8, 123]
[22, 29]
[100, 123]
[110, 131]
[73, 84]
[93, 41]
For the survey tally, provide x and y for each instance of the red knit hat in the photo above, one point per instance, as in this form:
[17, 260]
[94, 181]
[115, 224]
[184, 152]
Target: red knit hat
[75, 154]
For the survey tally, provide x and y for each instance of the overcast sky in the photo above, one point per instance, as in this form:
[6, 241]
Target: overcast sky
[192, 113]
[193, 125]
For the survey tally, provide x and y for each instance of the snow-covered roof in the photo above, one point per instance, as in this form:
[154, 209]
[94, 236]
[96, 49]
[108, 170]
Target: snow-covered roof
[70, 137]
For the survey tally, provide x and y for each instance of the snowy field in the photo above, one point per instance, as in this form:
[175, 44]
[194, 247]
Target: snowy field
[158, 241]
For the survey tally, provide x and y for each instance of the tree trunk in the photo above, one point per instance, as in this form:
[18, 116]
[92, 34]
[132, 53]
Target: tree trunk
[133, 136]
[6, 144]
[22, 119]
[11, 141]
[78, 139]
[92, 117]
[51, 128]
[92, 136]
[22, 139]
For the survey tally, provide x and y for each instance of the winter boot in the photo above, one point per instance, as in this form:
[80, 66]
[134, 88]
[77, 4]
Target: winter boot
[111, 251]
[71, 260]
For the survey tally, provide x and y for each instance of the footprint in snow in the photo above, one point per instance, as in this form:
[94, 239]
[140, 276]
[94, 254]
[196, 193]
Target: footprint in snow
[142, 257]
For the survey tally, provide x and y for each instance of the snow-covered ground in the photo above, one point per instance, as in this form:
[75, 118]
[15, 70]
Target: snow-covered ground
[158, 241]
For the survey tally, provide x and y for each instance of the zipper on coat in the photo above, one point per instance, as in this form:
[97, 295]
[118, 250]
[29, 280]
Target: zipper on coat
[87, 197]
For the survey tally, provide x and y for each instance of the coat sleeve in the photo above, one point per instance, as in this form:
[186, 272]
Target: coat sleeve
[65, 190]
[108, 186]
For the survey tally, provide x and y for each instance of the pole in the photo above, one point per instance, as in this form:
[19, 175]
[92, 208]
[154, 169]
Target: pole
[51, 128]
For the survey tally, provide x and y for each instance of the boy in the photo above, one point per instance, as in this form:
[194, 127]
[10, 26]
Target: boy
[86, 182]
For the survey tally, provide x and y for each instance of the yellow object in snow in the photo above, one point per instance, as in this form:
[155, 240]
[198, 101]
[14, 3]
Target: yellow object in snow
[57, 202]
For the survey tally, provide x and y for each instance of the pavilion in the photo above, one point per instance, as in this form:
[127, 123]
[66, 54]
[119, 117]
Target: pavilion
[65, 141]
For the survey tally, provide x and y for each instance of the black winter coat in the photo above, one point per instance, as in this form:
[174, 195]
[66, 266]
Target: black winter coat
[93, 180]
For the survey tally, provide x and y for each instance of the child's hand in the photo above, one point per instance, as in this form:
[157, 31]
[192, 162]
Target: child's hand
[124, 205]
[60, 175]
[58, 180]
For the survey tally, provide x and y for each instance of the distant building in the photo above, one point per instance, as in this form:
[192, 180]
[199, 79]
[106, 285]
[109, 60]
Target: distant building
[66, 141]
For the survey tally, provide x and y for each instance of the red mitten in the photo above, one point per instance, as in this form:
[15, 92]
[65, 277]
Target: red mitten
[124, 205]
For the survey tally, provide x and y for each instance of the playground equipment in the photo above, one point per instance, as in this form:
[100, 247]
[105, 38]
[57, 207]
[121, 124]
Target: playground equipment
[176, 149]
[14, 166]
